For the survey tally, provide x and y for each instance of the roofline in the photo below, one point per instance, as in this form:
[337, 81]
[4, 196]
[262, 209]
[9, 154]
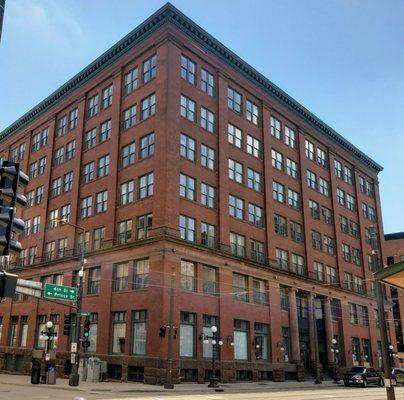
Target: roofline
[169, 13]
[394, 236]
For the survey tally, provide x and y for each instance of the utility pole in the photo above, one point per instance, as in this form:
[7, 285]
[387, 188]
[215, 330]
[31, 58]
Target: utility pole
[380, 305]
[168, 384]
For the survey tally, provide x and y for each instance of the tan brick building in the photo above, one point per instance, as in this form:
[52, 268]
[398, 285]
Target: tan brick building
[177, 158]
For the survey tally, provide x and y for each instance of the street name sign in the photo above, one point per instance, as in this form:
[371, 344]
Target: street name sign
[60, 292]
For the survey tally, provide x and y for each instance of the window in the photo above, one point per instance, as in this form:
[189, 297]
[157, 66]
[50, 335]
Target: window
[356, 256]
[129, 117]
[291, 168]
[346, 252]
[210, 284]
[254, 179]
[293, 199]
[90, 138]
[188, 108]
[260, 292]
[141, 274]
[234, 100]
[296, 231]
[187, 228]
[187, 187]
[208, 322]
[107, 96]
[365, 211]
[354, 229]
[236, 207]
[143, 225]
[309, 149]
[53, 218]
[30, 198]
[343, 223]
[252, 112]
[88, 172]
[68, 181]
[328, 245]
[35, 144]
[146, 184]
[92, 107]
[188, 275]
[237, 244]
[254, 146]
[257, 251]
[311, 180]
[208, 195]
[350, 202]
[124, 231]
[44, 136]
[348, 175]
[235, 171]
[83, 242]
[207, 157]
[208, 235]
[33, 170]
[324, 187]
[321, 157]
[314, 209]
[255, 214]
[13, 155]
[149, 106]
[187, 334]
[131, 80]
[12, 337]
[103, 166]
[59, 156]
[36, 224]
[139, 332]
[235, 135]
[316, 240]
[98, 238]
[149, 69]
[101, 201]
[147, 145]
[240, 287]
[118, 332]
[120, 276]
[372, 214]
[290, 137]
[370, 191]
[126, 193]
[62, 247]
[359, 288]
[188, 70]
[338, 169]
[187, 147]
[86, 207]
[207, 82]
[65, 212]
[23, 336]
[319, 271]
[276, 128]
[280, 225]
[73, 118]
[61, 126]
[277, 160]
[241, 340]
[128, 154]
[207, 120]
[42, 165]
[282, 258]
[332, 275]
[105, 131]
[340, 197]
[278, 192]
[353, 315]
[286, 343]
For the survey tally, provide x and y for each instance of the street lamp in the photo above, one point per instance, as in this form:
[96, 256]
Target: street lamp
[216, 341]
[47, 336]
[335, 351]
[75, 358]
[392, 354]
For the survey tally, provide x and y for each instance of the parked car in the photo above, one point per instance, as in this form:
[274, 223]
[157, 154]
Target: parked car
[398, 375]
[363, 376]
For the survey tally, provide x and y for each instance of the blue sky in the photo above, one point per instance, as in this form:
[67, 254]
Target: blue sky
[342, 59]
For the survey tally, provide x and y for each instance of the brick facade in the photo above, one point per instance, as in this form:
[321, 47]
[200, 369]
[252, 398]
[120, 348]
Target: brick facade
[293, 289]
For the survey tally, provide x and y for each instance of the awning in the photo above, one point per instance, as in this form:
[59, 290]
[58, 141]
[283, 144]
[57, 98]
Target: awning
[392, 275]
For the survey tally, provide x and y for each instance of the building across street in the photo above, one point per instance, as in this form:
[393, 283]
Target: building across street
[200, 194]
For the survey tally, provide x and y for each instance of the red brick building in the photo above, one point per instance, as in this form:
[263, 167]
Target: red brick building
[178, 159]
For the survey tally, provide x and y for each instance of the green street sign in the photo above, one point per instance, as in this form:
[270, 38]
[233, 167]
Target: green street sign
[85, 314]
[60, 292]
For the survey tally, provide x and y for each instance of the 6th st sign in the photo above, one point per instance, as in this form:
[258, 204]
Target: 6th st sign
[60, 292]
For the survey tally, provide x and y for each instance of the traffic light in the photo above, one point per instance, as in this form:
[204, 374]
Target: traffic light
[163, 330]
[8, 283]
[86, 333]
[67, 325]
[10, 179]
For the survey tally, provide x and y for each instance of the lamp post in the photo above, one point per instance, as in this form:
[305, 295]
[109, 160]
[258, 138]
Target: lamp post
[216, 341]
[392, 354]
[75, 358]
[335, 351]
[48, 337]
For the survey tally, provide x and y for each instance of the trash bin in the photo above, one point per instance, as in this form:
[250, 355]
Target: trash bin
[36, 373]
[51, 376]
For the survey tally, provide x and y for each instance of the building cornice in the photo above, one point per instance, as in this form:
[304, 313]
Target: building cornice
[170, 14]
[394, 236]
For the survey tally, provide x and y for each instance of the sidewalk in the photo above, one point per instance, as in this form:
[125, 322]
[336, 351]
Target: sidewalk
[125, 387]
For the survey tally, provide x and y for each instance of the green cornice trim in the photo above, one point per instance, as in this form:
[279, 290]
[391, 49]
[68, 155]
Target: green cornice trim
[169, 13]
